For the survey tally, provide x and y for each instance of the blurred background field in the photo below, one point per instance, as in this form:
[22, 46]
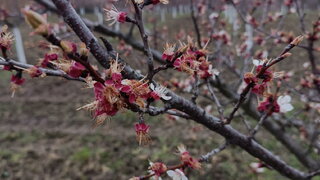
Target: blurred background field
[43, 136]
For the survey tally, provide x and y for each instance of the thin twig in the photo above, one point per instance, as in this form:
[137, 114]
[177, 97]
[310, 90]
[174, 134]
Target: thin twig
[216, 100]
[144, 36]
[257, 127]
[195, 23]
[215, 151]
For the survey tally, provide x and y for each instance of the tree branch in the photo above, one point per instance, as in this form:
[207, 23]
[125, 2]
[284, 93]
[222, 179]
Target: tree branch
[48, 72]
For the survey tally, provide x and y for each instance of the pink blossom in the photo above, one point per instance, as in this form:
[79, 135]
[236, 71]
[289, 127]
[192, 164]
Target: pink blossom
[76, 69]
[34, 71]
[187, 159]
[115, 16]
[68, 47]
[17, 80]
[158, 168]
[269, 105]
[47, 58]
[168, 53]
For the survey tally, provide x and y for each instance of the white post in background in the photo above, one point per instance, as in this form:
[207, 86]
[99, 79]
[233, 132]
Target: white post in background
[19, 45]
[174, 12]
[232, 17]
[163, 15]
[180, 10]
[82, 11]
[187, 9]
[117, 26]
[98, 14]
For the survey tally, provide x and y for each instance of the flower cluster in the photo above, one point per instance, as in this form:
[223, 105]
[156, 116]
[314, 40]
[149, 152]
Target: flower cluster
[269, 105]
[157, 169]
[273, 104]
[189, 59]
[315, 35]
[222, 36]
[142, 131]
[187, 159]
[6, 38]
[73, 68]
[116, 93]
[284, 37]
[261, 78]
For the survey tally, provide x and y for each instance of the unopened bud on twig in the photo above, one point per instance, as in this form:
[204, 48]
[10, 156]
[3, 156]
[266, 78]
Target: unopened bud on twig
[68, 47]
[83, 51]
[37, 21]
[297, 40]
[285, 55]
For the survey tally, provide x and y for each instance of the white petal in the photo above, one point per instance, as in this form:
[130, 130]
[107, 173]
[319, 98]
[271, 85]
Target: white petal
[152, 86]
[150, 163]
[171, 173]
[254, 165]
[260, 170]
[286, 108]
[284, 99]
[184, 178]
[287, 98]
[181, 174]
[215, 72]
[257, 62]
[125, 82]
[167, 98]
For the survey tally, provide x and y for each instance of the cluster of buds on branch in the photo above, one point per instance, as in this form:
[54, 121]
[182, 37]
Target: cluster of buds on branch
[38, 22]
[6, 39]
[188, 58]
[117, 93]
[260, 82]
[158, 169]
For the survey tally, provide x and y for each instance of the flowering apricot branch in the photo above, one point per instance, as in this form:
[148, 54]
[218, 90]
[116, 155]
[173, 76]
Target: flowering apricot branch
[123, 85]
[262, 73]
[48, 72]
[197, 114]
[269, 125]
[69, 48]
[106, 31]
